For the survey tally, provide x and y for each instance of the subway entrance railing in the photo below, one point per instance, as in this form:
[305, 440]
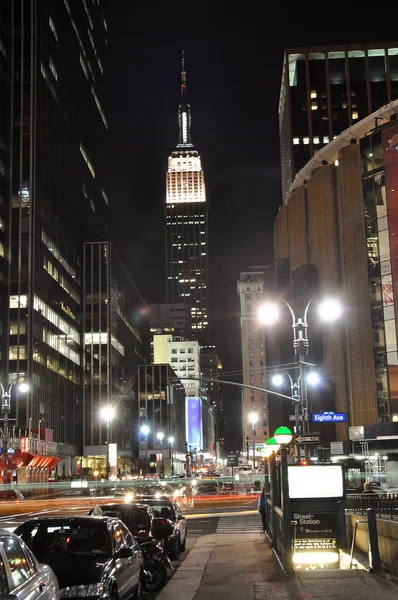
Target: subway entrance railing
[305, 514]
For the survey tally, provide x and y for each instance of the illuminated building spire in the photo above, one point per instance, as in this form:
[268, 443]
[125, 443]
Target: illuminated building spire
[184, 111]
[183, 75]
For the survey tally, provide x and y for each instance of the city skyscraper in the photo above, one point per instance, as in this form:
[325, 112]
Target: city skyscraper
[70, 317]
[325, 90]
[186, 224]
[251, 287]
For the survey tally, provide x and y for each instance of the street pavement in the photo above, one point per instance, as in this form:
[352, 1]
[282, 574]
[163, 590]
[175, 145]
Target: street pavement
[240, 566]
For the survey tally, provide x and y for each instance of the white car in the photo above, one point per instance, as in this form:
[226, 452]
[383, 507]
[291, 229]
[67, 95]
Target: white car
[21, 575]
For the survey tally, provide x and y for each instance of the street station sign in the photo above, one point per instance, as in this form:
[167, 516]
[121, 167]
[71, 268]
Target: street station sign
[329, 417]
[311, 438]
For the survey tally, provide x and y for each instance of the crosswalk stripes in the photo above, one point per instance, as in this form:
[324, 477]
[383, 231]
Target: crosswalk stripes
[244, 523]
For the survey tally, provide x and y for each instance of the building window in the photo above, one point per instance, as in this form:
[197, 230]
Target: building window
[174, 360]
[313, 94]
[17, 352]
[17, 327]
[174, 351]
[316, 140]
[325, 139]
[182, 350]
[355, 114]
[296, 141]
[306, 140]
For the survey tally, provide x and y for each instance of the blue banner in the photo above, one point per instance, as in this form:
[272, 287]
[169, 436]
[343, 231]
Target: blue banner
[329, 417]
[193, 408]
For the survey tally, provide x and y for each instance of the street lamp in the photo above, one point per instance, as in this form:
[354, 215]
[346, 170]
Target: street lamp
[107, 413]
[171, 453]
[283, 436]
[253, 420]
[312, 378]
[6, 409]
[271, 446]
[145, 430]
[160, 436]
[329, 309]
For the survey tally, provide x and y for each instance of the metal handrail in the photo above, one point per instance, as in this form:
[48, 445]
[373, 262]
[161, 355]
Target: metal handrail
[383, 504]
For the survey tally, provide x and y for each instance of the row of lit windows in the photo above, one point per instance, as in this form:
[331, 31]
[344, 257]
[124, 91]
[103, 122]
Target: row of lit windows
[97, 338]
[49, 244]
[78, 37]
[54, 365]
[59, 343]
[49, 314]
[98, 104]
[59, 278]
[87, 160]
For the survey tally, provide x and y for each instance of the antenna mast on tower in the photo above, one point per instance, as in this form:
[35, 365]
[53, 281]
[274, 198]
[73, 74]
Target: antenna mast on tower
[183, 75]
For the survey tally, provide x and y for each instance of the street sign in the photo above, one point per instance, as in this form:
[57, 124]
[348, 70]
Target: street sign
[329, 417]
[336, 448]
[232, 460]
[310, 438]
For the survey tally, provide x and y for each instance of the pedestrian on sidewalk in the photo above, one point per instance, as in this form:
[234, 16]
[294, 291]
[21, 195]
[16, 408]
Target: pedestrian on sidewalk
[262, 509]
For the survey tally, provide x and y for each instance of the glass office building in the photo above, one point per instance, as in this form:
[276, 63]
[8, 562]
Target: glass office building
[326, 90]
[54, 197]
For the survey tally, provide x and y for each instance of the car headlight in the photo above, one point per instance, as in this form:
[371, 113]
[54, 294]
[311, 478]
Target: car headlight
[129, 497]
[81, 591]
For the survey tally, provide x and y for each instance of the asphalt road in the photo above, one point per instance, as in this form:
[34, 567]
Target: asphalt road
[202, 520]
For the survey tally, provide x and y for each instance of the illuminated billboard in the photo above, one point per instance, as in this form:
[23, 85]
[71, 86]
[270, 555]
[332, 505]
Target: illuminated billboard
[193, 422]
[315, 481]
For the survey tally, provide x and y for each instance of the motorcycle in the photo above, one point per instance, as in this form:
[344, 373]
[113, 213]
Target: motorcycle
[156, 563]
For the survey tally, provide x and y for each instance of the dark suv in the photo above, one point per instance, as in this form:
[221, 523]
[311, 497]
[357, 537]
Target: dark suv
[90, 556]
[168, 510]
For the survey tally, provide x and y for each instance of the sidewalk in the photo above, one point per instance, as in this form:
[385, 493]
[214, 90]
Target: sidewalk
[242, 567]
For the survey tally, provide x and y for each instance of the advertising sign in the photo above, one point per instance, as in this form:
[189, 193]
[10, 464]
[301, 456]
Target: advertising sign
[329, 417]
[315, 481]
[193, 415]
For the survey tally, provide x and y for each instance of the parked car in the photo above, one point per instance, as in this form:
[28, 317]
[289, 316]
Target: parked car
[137, 517]
[11, 496]
[22, 577]
[168, 510]
[91, 556]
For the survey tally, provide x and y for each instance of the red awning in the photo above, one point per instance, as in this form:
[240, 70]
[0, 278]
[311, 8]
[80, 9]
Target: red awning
[41, 461]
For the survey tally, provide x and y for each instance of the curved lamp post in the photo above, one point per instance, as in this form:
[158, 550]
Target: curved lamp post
[6, 409]
[329, 310]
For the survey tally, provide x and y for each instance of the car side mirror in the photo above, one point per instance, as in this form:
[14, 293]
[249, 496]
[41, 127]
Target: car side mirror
[123, 553]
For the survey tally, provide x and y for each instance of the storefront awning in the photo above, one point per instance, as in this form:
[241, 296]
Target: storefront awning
[40, 461]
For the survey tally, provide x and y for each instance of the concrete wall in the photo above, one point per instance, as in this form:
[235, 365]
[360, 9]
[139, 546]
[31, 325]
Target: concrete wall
[387, 531]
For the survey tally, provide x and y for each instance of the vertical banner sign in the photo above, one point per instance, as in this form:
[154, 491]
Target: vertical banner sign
[113, 461]
[193, 414]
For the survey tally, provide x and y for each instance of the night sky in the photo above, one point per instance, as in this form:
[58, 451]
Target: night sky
[234, 67]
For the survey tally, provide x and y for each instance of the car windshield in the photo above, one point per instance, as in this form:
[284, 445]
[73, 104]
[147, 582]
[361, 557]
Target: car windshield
[160, 510]
[68, 538]
[133, 518]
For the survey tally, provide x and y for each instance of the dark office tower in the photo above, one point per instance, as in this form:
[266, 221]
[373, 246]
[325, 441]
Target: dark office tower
[324, 91]
[55, 198]
[186, 224]
[113, 350]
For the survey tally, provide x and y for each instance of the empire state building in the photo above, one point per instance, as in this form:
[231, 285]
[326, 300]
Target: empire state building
[186, 224]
